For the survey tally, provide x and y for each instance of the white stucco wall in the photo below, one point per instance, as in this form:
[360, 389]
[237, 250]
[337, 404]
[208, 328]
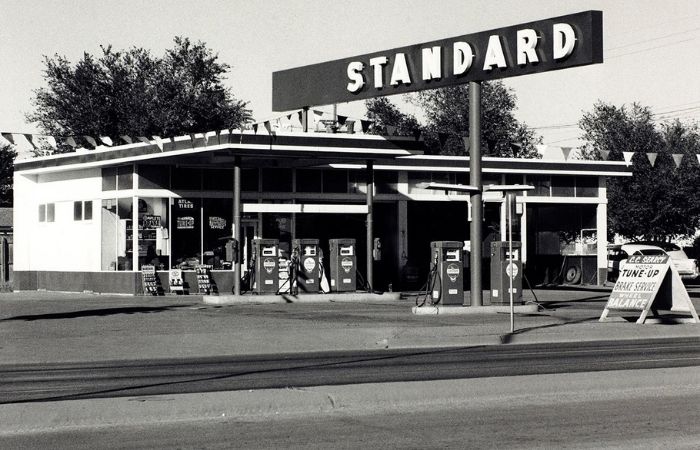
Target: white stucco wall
[65, 244]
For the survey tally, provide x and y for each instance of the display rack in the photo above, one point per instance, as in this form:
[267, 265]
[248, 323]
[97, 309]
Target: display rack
[204, 280]
[151, 282]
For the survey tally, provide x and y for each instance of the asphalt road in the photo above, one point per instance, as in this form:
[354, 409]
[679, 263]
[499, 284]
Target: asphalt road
[636, 409]
[65, 381]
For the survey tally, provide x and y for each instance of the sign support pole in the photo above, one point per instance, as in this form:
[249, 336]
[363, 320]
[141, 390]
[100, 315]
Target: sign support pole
[370, 225]
[509, 199]
[237, 225]
[475, 227]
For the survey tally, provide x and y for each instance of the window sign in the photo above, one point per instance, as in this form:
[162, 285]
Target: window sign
[151, 222]
[185, 223]
[217, 223]
[183, 203]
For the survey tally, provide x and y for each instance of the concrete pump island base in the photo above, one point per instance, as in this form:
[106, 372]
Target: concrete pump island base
[338, 297]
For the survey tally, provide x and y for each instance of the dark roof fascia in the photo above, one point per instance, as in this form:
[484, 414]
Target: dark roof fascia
[336, 146]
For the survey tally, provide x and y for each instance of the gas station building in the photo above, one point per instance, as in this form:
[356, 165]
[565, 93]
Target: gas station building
[90, 220]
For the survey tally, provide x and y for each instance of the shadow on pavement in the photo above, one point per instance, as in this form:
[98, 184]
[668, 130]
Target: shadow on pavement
[95, 313]
[507, 338]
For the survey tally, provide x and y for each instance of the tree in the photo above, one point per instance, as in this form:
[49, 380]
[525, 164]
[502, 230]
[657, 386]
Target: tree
[136, 94]
[660, 201]
[382, 113]
[447, 111]
[7, 158]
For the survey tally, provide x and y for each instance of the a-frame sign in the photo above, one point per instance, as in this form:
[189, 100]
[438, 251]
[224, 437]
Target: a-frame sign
[649, 283]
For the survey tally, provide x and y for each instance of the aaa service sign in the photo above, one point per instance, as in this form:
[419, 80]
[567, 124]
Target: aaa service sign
[649, 282]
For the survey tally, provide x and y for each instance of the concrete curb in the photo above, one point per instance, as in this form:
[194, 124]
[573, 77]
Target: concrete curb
[354, 297]
[467, 310]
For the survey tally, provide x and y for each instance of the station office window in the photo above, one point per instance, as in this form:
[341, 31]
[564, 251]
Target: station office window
[82, 210]
[277, 180]
[309, 180]
[47, 212]
[121, 177]
[154, 176]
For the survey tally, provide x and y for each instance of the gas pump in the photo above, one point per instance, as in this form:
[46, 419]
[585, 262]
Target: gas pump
[307, 272]
[501, 270]
[448, 269]
[343, 265]
[266, 252]
[231, 251]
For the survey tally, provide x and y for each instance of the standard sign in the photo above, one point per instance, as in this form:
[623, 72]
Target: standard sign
[551, 44]
[649, 282]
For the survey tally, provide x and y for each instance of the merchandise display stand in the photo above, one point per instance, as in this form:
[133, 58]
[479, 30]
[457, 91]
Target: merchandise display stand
[151, 282]
[205, 283]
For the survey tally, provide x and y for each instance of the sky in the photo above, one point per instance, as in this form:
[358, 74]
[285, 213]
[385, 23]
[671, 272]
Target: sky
[651, 48]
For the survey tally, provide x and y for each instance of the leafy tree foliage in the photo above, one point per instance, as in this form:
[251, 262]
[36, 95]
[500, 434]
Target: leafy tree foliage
[658, 202]
[134, 93]
[447, 111]
[383, 113]
[7, 157]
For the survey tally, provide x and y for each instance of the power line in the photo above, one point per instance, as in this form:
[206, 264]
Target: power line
[650, 48]
[658, 38]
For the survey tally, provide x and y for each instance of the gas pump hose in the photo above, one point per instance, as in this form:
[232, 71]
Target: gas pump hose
[433, 276]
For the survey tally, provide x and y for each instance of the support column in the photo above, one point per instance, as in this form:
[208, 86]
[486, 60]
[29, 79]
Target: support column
[370, 224]
[236, 231]
[475, 227]
[602, 242]
[523, 232]
[305, 119]
[504, 220]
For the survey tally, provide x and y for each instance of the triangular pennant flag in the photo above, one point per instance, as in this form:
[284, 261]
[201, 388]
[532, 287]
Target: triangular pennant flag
[91, 140]
[9, 137]
[628, 157]
[126, 139]
[71, 141]
[144, 139]
[289, 116]
[566, 151]
[318, 115]
[416, 133]
[52, 142]
[30, 139]
[677, 158]
[604, 154]
[255, 128]
[391, 130]
[159, 142]
[365, 125]
[267, 126]
[652, 157]
[467, 145]
[106, 141]
[300, 115]
[342, 119]
[211, 138]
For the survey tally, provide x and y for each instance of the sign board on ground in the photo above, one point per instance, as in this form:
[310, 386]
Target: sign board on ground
[550, 44]
[649, 283]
